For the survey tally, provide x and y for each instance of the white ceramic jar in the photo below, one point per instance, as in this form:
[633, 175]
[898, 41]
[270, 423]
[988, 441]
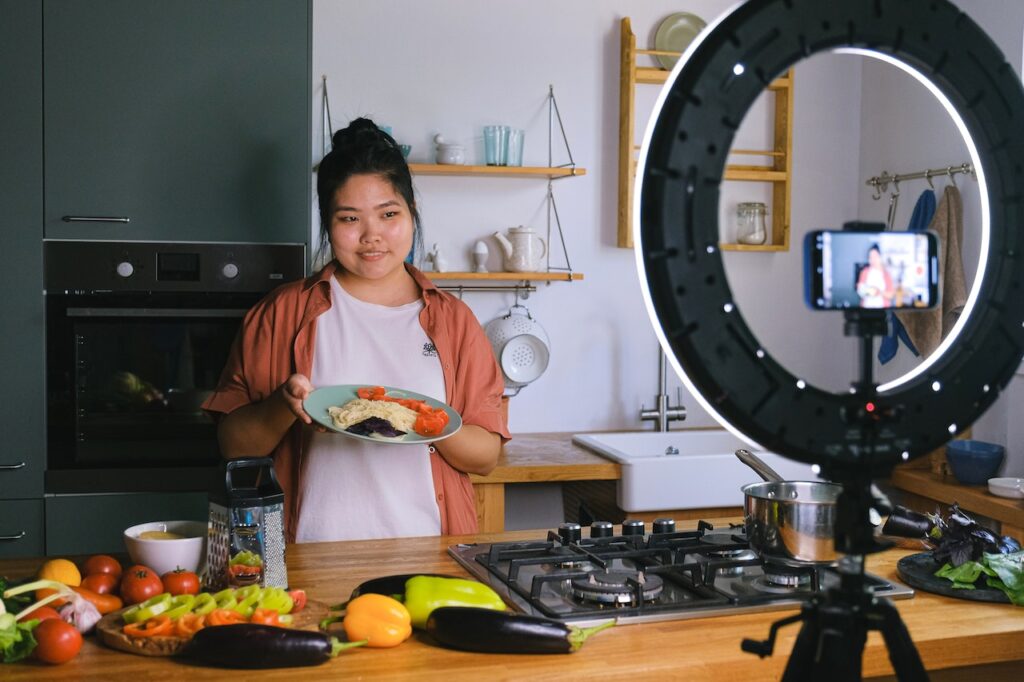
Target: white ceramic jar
[449, 154]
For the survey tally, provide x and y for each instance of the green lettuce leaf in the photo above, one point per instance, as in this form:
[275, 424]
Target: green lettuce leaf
[16, 639]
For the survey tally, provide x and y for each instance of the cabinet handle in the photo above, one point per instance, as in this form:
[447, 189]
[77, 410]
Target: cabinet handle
[12, 467]
[95, 219]
[13, 537]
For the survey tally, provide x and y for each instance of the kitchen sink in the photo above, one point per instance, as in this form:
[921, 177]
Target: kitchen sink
[685, 469]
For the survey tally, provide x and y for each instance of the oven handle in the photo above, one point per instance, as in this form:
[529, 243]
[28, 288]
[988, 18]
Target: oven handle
[12, 467]
[156, 312]
[13, 537]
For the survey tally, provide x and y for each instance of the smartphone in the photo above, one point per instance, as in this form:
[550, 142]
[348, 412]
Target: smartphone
[871, 270]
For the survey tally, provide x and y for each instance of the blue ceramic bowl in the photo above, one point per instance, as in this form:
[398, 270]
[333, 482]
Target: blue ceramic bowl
[973, 461]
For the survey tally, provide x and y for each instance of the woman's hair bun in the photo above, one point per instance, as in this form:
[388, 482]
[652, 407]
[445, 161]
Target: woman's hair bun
[359, 133]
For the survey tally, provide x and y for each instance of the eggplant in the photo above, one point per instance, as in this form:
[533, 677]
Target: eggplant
[907, 523]
[251, 645]
[501, 632]
[388, 585]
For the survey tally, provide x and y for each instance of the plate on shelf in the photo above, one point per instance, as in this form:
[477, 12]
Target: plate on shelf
[675, 33]
[317, 402]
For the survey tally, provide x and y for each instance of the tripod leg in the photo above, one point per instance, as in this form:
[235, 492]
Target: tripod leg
[830, 647]
[902, 652]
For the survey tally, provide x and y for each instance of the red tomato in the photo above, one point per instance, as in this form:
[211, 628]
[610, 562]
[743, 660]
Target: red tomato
[180, 581]
[42, 613]
[102, 563]
[298, 599]
[57, 641]
[101, 583]
[139, 584]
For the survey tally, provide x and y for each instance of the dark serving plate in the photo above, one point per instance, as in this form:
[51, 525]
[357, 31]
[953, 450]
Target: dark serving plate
[918, 571]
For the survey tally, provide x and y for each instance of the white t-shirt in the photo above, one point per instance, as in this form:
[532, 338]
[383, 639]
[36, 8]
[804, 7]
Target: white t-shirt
[354, 489]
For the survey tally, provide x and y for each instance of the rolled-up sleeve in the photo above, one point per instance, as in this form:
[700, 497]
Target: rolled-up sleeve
[246, 378]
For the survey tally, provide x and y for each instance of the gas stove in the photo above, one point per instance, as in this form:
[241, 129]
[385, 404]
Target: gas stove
[636, 576]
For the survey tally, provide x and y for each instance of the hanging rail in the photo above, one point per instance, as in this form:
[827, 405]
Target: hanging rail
[881, 183]
[520, 290]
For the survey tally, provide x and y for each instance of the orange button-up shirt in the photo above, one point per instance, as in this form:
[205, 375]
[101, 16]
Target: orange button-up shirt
[277, 340]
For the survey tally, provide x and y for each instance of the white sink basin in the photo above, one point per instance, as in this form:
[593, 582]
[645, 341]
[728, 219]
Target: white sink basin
[683, 469]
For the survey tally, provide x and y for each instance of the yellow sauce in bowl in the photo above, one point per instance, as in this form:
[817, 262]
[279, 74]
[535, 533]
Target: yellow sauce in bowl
[160, 535]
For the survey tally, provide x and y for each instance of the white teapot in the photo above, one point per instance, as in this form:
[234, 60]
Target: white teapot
[524, 250]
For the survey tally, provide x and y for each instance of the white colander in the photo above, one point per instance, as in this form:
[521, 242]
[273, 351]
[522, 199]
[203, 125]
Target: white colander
[521, 346]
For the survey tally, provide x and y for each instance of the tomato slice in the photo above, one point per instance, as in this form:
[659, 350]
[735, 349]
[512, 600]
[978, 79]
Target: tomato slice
[160, 626]
[298, 599]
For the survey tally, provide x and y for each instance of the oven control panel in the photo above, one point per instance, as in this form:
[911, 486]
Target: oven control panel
[101, 266]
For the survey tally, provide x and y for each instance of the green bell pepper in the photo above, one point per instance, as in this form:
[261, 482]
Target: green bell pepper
[150, 608]
[424, 593]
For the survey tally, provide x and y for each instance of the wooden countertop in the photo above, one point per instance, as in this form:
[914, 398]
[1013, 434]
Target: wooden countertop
[544, 457]
[948, 632]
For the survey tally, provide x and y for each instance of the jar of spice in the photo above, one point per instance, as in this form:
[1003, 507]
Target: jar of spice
[750, 223]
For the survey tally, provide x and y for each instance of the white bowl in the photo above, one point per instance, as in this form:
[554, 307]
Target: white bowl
[164, 556]
[1007, 487]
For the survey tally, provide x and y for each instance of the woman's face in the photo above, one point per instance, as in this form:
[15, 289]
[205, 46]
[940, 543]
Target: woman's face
[371, 227]
[874, 258]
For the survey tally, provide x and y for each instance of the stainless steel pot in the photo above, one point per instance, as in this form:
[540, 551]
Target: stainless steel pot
[789, 522]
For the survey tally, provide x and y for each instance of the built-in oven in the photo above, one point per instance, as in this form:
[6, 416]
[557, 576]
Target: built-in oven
[137, 334]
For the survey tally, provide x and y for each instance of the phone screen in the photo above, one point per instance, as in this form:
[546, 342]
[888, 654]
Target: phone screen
[871, 270]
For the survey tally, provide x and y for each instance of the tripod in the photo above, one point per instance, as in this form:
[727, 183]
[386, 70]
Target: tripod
[831, 642]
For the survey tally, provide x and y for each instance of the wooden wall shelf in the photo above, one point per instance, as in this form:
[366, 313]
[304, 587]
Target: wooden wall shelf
[778, 172]
[496, 171]
[509, 276]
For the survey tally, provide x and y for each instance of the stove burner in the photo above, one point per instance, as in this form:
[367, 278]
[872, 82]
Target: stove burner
[786, 576]
[732, 553]
[615, 587]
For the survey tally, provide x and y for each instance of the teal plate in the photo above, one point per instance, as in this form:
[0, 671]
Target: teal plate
[317, 402]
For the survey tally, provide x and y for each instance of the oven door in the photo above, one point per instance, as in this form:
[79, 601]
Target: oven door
[127, 375]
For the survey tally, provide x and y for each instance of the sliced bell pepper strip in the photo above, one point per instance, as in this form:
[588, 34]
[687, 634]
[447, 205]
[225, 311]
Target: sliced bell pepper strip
[224, 617]
[150, 608]
[180, 605]
[265, 617]
[203, 604]
[160, 626]
[188, 625]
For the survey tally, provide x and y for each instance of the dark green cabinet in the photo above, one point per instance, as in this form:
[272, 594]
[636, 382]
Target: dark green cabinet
[21, 528]
[90, 524]
[22, 443]
[189, 119]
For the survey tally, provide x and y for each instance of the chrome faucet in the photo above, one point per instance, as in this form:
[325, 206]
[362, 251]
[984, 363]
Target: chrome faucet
[663, 413]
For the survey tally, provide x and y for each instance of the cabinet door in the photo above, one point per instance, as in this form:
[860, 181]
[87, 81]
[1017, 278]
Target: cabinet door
[91, 524]
[21, 277]
[189, 118]
[21, 528]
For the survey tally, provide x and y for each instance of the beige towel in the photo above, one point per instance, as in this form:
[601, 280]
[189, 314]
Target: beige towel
[928, 328]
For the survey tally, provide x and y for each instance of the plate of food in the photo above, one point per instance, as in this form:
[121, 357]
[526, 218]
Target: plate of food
[382, 413]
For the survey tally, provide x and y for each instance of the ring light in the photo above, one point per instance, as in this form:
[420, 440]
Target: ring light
[680, 171]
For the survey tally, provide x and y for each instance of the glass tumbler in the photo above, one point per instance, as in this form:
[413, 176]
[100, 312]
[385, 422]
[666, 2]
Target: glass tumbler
[496, 145]
[750, 223]
[515, 147]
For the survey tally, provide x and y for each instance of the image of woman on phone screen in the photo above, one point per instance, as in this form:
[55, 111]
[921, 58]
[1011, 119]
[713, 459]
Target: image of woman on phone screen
[368, 317]
[874, 284]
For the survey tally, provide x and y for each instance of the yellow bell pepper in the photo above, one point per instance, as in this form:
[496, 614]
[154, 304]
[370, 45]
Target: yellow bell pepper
[378, 620]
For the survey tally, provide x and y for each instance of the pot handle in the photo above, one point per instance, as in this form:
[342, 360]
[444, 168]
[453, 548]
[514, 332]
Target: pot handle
[758, 465]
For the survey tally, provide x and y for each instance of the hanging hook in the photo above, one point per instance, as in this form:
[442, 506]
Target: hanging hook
[928, 177]
[894, 198]
[952, 177]
[874, 184]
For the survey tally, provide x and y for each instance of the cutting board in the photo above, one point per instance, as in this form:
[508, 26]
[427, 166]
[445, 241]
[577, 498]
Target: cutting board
[918, 571]
[109, 631]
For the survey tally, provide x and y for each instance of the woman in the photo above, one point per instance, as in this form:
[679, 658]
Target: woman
[874, 285]
[366, 318]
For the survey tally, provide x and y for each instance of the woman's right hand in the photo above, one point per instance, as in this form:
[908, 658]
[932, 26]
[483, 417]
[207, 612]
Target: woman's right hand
[296, 389]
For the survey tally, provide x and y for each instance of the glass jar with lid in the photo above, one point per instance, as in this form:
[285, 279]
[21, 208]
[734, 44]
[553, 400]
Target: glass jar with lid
[750, 223]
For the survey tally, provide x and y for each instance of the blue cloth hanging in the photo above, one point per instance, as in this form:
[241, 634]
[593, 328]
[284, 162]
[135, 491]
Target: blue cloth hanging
[920, 219]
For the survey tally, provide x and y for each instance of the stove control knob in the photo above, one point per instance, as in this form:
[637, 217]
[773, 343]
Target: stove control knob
[229, 270]
[664, 526]
[569, 532]
[602, 529]
[632, 527]
[125, 269]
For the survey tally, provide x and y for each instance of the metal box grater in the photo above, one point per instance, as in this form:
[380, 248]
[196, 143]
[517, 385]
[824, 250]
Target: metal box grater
[246, 527]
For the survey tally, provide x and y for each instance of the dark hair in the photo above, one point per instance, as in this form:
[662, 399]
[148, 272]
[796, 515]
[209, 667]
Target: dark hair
[363, 149]
[875, 247]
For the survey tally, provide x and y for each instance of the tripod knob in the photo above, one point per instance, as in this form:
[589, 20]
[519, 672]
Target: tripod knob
[759, 647]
